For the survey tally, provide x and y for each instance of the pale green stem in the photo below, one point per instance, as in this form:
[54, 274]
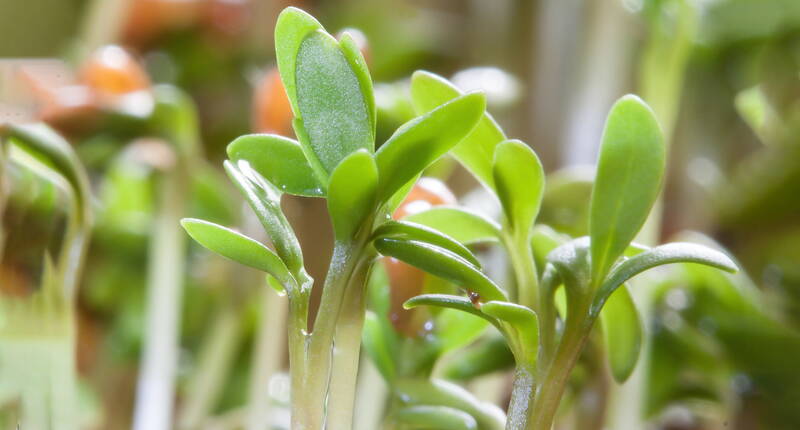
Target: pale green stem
[518, 245]
[346, 352]
[522, 397]
[554, 380]
[216, 356]
[267, 359]
[156, 384]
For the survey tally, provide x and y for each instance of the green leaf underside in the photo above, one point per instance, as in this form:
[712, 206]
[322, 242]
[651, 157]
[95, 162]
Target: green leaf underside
[442, 263]
[435, 417]
[476, 151]
[291, 28]
[351, 196]
[629, 173]
[412, 231]
[421, 141]
[236, 246]
[264, 199]
[660, 255]
[449, 301]
[330, 102]
[519, 182]
[280, 160]
[622, 330]
[462, 225]
[442, 393]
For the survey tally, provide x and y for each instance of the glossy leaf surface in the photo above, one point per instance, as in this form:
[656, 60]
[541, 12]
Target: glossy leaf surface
[622, 330]
[476, 151]
[462, 225]
[664, 254]
[412, 231]
[236, 246]
[351, 196]
[629, 174]
[280, 160]
[442, 263]
[264, 199]
[421, 141]
[519, 181]
[448, 301]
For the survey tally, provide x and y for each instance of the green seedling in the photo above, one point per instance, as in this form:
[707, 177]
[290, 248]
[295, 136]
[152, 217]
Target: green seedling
[334, 157]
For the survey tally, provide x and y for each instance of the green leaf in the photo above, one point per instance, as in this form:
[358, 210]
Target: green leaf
[435, 417]
[291, 28]
[457, 329]
[476, 151]
[331, 105]
[236, 246]
[442, 263]
[443, 393]
[57, 153]
[491, 354]
[359, 65]
[265, 201]
[351, 196]
[377, 346]
[280, 160]
[449, 301]
[462, 225]
[411, 231]
[421, 141]
[629, 173]
[524, 323]
[519, 181]
[622, 329]
[665, 254]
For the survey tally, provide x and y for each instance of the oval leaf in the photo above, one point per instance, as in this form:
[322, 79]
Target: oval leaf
[665, 254]
[351, 196]
[437, 417]
[411, 231]
[421, 141]
[622, 330]
[522, 320]
[442, 263]
[629, 173]
[462, 225]
[331, 105]
[236, 246]
[280, 160]
[519, 181]
[476, 151]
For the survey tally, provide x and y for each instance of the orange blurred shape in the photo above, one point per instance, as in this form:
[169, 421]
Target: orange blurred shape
[272, 112]
[149, 19]
[111, 71]
[226, 17]
[406, 281]
[58, 99]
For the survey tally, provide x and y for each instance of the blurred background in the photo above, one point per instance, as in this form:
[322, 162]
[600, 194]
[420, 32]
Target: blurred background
[723, 76]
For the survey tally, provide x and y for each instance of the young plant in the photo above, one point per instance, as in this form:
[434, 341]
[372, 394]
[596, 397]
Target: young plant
[547, 341]
[330, 92]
